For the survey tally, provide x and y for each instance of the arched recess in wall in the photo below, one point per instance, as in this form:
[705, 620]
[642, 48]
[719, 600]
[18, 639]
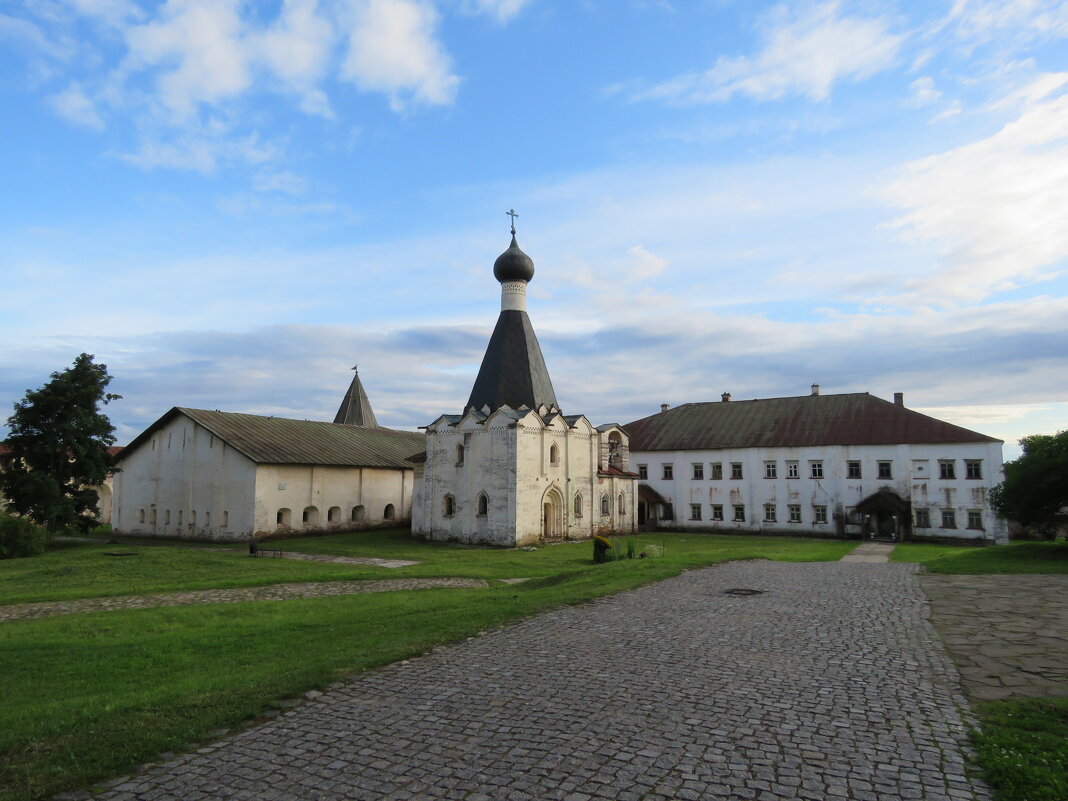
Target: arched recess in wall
[283, 519]
[615, 450]
[333, 515]
[449, 506]
[554, 454]
[622, 504]
[358, 514]
[606, 508]
[578, 505]
[483, 504]
[389, 513]
[460, 454]
[310, 516]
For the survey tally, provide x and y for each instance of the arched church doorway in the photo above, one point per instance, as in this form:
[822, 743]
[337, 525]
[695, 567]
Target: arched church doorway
[552, 520]
[885, 515]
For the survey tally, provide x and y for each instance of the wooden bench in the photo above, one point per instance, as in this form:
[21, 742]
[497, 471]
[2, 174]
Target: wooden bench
[255, 549]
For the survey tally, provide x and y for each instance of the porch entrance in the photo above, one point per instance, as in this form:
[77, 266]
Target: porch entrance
[552, 518]
[886, 516]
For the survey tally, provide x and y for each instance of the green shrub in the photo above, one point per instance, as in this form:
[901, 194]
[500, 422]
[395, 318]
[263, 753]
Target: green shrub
[20, 537]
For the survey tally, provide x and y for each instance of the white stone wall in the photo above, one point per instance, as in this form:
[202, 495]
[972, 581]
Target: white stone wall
[184, 482]
[915, 476]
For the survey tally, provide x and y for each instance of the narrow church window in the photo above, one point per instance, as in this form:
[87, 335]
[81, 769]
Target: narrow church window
[554, 455]
[605, 508]
[193, 517]
[459, 454]
[207, 519]
[166, 517]
[483, 505]
[152, 515]
[226, 519]
[388, 513]
[141, 516]
[357, 514]
[578, 506]
[333, 515]
[450, 506]
[622, 504]
[179, 517]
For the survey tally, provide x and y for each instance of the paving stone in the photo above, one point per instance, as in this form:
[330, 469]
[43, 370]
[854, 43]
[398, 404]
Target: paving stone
[832, 684]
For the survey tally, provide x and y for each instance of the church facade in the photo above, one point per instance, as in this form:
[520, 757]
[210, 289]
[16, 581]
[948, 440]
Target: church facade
[512, 469]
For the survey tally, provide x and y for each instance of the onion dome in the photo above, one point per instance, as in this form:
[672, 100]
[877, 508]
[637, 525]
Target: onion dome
[513, 264]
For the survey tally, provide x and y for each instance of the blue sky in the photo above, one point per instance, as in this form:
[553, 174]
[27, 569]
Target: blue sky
[231, 203]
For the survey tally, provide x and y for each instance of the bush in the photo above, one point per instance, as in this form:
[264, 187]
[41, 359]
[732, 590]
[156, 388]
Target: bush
[20, 537]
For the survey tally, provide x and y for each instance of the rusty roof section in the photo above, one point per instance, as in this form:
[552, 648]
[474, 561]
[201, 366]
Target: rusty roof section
[808, 420]
[279, 440]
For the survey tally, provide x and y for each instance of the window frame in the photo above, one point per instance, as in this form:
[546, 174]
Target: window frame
[947, 469]
[739, 513]
[973, 469]
[854, 469]
[643, 472]
[949, 518]
[819, 515]
[815, 469]
[770, 513]
[975, 520]
[793, 511]
[697, 471]
[793, 468]
[716, 471]
[667, 471]
[771, 469]
[695, 511]
[921, 517]
[717, 512]
[885, 470]
[737, 473]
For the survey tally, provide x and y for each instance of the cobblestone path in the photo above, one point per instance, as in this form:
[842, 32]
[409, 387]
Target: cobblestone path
[273, 592]
[1007, 634]
[831, 684]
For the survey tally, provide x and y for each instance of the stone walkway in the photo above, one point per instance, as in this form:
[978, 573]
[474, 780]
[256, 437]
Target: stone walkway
[870, 553]
[1007, 634]
[273, 592]
[371, 561]
[828, 684]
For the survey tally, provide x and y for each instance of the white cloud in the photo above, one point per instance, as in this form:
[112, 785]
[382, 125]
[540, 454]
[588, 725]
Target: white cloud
[74, 105]
[202, 151]
[985, 20]
[804, 54]
[994, 210]
[393, 49]
[501, 10]
[297, 49]
[924, 92]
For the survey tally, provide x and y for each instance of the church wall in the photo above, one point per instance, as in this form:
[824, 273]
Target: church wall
[184, 482]
[914, 475]
[310, 492]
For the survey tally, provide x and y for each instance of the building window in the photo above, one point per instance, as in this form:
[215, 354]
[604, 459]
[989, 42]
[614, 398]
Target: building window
[621, 504]
[698, 472]
[853, 470]
[615, 450]
[695, 511]
[450, 506]
[795, 512]
[207, 518]
[973, 468]
[192, 517]
[282, 518]
[180, 518]
[771, 470]
[141, 516]
[226, 519]
[389, 512]
[885, 470]
[949, 518]
[166, 517]
[554, 454]
[578, 506]
[459, 454]
[717, 511]
[717, 471]
[793, 470]
[605, 508]
[975, 519]
[357, 514]
[667, 472]
[947, 469]
[483, 505]
[333, 514]
[923, 518]
[643, 472]
[815, 469]
[667, 511]
[310, 515]
[739, 513]
[819, 514]
[736, 470]
[769, 513]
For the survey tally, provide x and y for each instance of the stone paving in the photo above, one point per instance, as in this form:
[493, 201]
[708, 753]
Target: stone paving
[273, 592]
[372, 561]
[1007, 634]
[830, 684]
[870, 553]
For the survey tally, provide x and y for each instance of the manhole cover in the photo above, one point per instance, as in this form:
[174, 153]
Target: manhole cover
[743, 592]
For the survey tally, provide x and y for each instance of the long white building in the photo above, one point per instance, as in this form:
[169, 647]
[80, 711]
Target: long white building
[850, 465]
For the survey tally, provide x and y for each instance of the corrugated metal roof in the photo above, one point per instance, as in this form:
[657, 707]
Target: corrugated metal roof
[279, 440]
[849, 419]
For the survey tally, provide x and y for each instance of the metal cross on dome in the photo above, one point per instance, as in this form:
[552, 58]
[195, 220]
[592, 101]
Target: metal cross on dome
[512, 213]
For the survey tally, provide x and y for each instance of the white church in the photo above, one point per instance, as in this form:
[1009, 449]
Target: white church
[511, 469]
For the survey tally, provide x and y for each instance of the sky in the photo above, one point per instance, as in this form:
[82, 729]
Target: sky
[232, 203]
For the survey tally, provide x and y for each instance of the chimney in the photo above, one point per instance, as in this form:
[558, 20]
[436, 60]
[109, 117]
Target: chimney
[815, 389]
[899, 398]
[665, 406]
[726, 396]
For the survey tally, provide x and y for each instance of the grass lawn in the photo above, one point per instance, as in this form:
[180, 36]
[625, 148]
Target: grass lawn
[1023, 748]
[87, 697]
[1017, 557]
[86, 571]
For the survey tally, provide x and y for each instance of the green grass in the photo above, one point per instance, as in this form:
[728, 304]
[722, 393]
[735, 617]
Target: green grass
[1020, 557]
[1023, 748]
[86, 571]
[87, 697]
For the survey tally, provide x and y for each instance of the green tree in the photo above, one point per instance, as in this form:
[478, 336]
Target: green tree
[57, 447]
[1035, 489]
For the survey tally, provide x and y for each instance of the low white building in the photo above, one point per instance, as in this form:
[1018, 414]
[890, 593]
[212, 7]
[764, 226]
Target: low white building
[224, 476]
[512, 469]
[850, 465]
